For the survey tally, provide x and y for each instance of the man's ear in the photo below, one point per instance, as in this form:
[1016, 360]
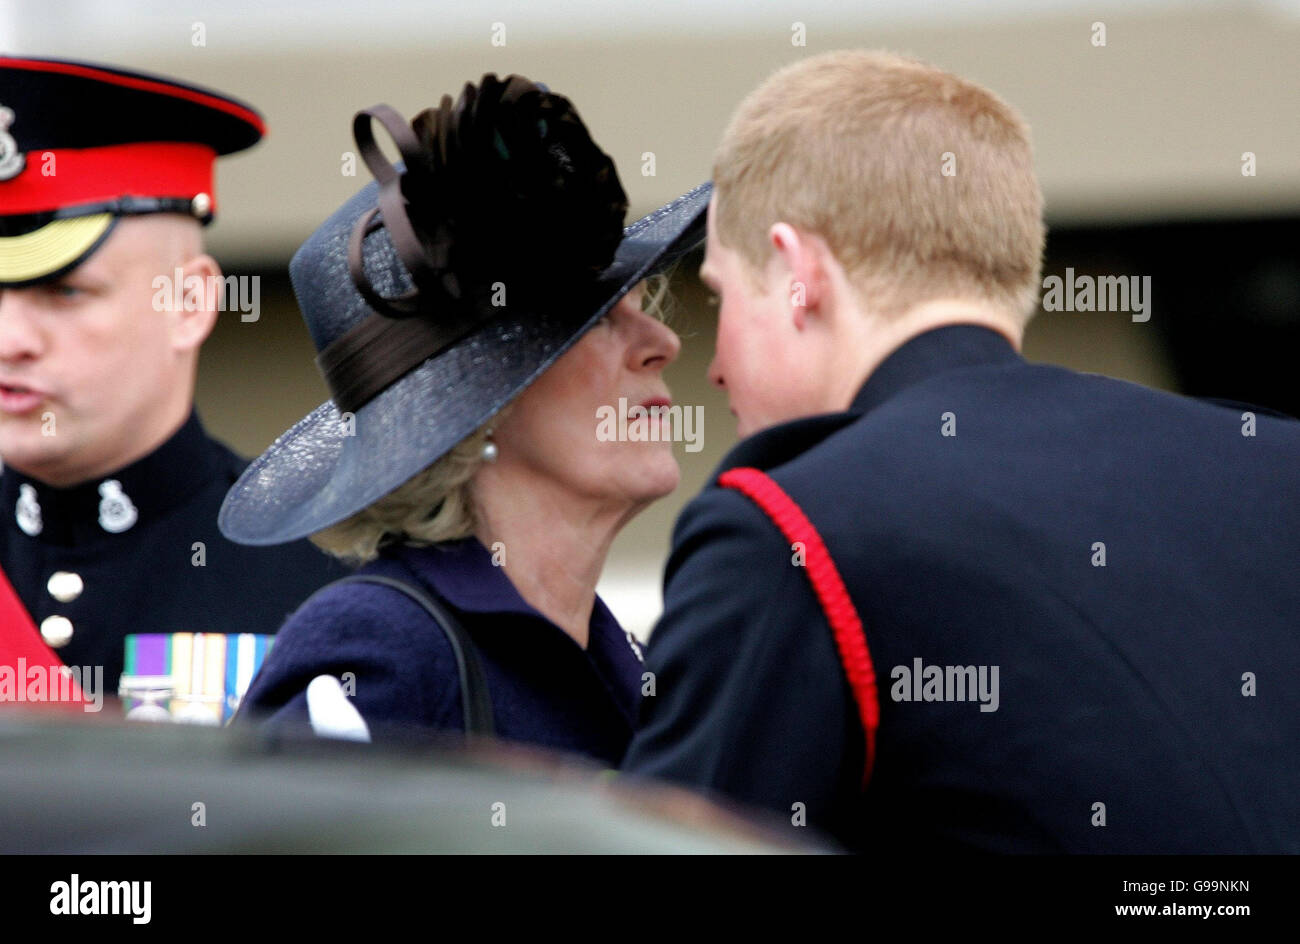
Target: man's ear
[801, 270]
[196, 318]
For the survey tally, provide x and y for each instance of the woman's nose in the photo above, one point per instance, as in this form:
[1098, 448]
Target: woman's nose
[652, 343]
[666, 341]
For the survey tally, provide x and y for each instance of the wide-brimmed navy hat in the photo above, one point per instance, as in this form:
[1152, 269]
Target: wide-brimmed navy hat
[343, 456]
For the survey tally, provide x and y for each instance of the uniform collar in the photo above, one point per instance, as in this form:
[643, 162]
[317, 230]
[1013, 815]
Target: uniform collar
[113, 505]
[917, 359]
[933, 352]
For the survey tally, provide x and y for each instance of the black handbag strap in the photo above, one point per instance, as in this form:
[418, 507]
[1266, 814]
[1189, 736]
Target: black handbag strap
[476, 706]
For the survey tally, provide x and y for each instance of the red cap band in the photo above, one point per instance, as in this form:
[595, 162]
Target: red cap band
[60, 179]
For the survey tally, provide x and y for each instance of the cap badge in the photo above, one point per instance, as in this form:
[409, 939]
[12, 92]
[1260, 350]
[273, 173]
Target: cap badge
[116, 512]
[11, 161]
[29, 510]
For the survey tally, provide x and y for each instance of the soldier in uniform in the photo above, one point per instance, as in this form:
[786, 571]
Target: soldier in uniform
[110, 490]
[891, 614]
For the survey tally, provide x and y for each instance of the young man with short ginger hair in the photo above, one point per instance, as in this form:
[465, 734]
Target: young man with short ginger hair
[866, 245]
[891, 616]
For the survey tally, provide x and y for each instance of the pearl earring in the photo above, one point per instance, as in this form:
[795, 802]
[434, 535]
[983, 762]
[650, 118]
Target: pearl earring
[489, 448]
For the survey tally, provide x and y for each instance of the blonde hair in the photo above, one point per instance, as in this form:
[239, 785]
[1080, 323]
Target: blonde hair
[436, 504]
[921, 183]
[432, 506]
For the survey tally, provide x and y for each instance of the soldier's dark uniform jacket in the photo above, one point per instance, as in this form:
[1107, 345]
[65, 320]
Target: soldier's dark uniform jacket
[138, 551]
[1126, 558]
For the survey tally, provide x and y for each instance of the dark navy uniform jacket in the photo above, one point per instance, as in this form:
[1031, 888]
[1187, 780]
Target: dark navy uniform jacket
[130, 539]
[1153, 689]
[545, 688]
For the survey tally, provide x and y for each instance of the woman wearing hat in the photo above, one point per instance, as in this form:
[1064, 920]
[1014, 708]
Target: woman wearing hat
[473, 311]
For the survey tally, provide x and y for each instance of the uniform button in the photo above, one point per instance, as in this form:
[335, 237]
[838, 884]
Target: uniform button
[65, 586]
[56, 631]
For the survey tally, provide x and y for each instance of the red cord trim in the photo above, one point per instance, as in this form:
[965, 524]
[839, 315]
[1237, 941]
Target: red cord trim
[831, 593]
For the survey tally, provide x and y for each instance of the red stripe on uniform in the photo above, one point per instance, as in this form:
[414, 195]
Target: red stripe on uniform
[831, 593]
